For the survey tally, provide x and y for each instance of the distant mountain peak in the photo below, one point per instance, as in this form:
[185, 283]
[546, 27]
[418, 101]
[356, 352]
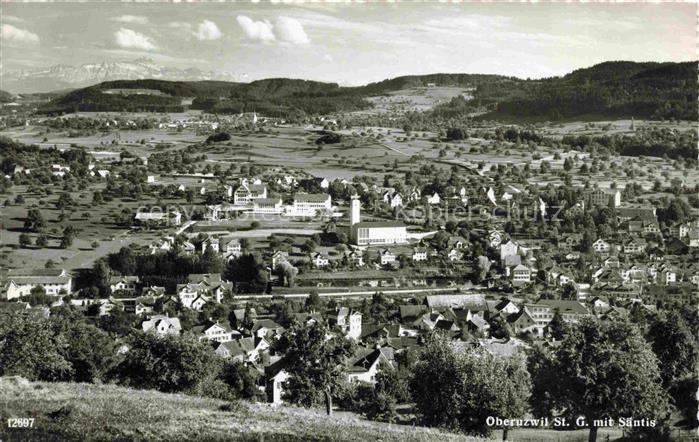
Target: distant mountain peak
[60, 77]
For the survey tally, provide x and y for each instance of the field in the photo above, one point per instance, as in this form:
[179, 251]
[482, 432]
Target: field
[67, 412]
[89, 412]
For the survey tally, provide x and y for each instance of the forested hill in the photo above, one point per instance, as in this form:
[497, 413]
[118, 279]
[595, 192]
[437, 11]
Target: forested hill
[611, 89]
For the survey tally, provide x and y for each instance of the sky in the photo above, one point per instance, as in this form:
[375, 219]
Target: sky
[350, 44]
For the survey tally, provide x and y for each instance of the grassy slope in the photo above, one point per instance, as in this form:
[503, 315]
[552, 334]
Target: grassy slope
[106, 412]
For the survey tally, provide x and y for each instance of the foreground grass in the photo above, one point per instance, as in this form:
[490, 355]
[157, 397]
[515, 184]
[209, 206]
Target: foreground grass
[66, 412]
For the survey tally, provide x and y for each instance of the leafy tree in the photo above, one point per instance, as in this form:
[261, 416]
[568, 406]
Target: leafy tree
[41, 241]
[24, 240]
[34, 222]
[313, 301]
[601, 370]
[31, 349]
[459, 391]
[314, 363]
[242, 380]
[569, 292]
[675, 346]
[91, 353]
[557, 328]
[167, 363]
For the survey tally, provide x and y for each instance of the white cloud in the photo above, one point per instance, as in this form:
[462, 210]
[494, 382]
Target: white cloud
[137, 19]
[290, 30]
[127, 38]
[256, 30]
[208, 31]
[284, 29]
[10, 33]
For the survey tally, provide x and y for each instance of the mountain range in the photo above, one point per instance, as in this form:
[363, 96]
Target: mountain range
[61, 77]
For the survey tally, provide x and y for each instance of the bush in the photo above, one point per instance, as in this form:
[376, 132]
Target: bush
[218, 137]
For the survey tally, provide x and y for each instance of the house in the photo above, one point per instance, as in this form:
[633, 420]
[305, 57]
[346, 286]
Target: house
[510, 248]
[20, 282]
[454, 255]
[667, 276]
[247, 349]
[276, 378]
[246, 193]
[365, 366]
[387, 257]
[162, 325]
[350, 322]
[230, 247]
[319, 260]
[523, 322]
[210, 243]
[278, 257]
[634, 246]
[419, 254]
[434, 199]
[601, 246]
[395, 200]
[521, 274]
[506, 306]
[602, 197]
[680, 230]
[214, 331]
[267, 328]
[123, 283]
[355, 258]
[644, 213]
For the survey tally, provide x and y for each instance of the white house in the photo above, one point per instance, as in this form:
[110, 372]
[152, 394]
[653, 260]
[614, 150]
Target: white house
[162, 325]
[20, 282]
[319, 260]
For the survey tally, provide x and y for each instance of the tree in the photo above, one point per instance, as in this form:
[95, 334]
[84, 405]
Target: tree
[675, 346]
[569, 292]
[241, 380]
[482, 266]
[557, 328]
[601, 370]
[24, 240]
[315, 364]
[167, 363]
[34, 221]
[458, 391]
[30, 348]
[41, 241]
[313, 301]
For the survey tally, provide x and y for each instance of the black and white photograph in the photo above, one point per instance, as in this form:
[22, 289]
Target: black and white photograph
[329, 221]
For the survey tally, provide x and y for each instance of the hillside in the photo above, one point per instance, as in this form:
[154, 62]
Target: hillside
[607, 90]
[5, 97]
[65, 411]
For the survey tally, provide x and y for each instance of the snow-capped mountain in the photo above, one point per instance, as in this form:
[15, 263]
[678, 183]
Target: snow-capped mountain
[69, 77]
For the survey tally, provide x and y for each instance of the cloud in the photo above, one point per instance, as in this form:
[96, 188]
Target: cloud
[208, 31]
[137, 19]
[256, 30]
[10, 33]
[127, 38]
[290, 30]
[285, 29]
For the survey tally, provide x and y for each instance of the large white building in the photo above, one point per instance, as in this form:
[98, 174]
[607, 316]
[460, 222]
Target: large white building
[310, 204]
[380, 232]
[246, 193]
[20, 282]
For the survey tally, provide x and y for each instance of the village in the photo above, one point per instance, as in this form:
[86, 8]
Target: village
[467, 252]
